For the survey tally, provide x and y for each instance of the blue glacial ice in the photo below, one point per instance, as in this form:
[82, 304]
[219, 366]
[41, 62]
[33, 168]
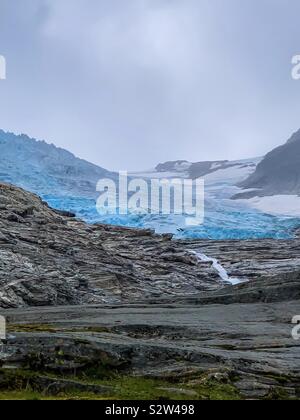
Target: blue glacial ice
[67, 183]
[224, 219]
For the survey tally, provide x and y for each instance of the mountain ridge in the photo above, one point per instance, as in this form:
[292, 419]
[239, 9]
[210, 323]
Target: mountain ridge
[203, 168]
[278, 173]
[45, 168]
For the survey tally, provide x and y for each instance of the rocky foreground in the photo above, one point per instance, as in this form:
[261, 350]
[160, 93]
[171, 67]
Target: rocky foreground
[246, 349]
[84, 303]
[51, 258]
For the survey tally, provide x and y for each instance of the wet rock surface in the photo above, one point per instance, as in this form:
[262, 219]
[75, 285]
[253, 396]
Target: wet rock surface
[78, 297]
[253, 259]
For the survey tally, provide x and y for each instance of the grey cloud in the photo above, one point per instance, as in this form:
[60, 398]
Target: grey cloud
[129, 83]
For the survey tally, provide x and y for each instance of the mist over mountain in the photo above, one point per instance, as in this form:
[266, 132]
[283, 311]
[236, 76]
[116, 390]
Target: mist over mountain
[44, 168]
[278, 173]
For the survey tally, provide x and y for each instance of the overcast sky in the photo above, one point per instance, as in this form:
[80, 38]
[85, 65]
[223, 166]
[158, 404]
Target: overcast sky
[127, 84]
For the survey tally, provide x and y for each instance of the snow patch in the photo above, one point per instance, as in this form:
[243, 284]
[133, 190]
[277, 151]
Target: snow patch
[277, 205]
[232, 175]
[152, 174]
[183, 166]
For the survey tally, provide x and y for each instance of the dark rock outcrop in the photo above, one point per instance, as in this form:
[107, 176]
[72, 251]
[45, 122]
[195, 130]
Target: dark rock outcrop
[278, 173]
[201, 169]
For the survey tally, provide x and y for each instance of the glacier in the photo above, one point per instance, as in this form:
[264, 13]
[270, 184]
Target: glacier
[224, 219]
[66, 182]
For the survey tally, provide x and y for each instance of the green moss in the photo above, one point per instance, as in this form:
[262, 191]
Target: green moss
[213, 390]
[31, 328]
[19, 395]
[35, 328]
[18, 384]
[28, 395]
[131, 388]
[21, 385]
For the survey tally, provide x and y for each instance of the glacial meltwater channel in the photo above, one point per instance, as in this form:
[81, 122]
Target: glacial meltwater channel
[219, 269]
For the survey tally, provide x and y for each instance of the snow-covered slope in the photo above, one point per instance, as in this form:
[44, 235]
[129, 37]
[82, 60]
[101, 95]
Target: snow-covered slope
[45, 169]
[214, 172]
[274, 187]
[277, 205]
[232, 172]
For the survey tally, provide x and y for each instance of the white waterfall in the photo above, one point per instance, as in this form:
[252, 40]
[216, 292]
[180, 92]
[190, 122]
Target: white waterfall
[219, 269]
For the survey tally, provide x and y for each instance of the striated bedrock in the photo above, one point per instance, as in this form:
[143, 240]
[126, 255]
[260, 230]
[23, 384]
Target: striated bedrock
[51, 258]
[253, 259]
[248, 347]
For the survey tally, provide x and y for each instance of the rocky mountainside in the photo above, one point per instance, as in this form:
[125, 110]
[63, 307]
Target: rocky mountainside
[48, 258]
[45, 169]
[278, 173]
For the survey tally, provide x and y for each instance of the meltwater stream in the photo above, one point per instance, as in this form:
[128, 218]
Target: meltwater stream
[219, 269]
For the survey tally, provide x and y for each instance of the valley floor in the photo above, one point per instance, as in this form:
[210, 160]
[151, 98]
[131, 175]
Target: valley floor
[186, 350]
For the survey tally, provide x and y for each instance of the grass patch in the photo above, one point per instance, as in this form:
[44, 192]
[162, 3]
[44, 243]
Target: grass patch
[17, 385]
[28, 395]
[213, 390]
[35, 328]
[31, 328]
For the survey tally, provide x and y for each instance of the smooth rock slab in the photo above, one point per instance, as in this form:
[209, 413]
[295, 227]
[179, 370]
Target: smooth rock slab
[250, 344]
